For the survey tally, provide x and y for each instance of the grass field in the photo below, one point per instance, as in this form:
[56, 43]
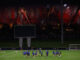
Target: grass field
[18, 55]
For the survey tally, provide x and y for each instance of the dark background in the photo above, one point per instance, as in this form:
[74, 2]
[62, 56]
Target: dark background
[54, 41]
[36, 2]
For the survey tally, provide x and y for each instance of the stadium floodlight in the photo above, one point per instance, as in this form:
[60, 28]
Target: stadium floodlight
[74, 46]
[68, 7]
[65, 5]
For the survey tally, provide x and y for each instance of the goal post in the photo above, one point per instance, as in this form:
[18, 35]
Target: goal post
[74, 46]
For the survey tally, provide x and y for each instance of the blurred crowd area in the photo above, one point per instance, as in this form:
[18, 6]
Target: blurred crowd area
[40, 15]
[47, 20]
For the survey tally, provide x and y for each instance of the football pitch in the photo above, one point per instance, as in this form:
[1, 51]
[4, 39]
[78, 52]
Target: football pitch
[18, 55]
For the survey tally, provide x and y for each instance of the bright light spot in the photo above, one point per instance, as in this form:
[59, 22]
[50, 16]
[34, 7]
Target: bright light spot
[11, 25]
[69, 29]
[65, 5]
[68, 7]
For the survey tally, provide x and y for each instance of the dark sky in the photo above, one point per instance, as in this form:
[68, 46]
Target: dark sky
[36, 2]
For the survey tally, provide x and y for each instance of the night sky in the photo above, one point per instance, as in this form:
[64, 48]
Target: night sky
[35, 2]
